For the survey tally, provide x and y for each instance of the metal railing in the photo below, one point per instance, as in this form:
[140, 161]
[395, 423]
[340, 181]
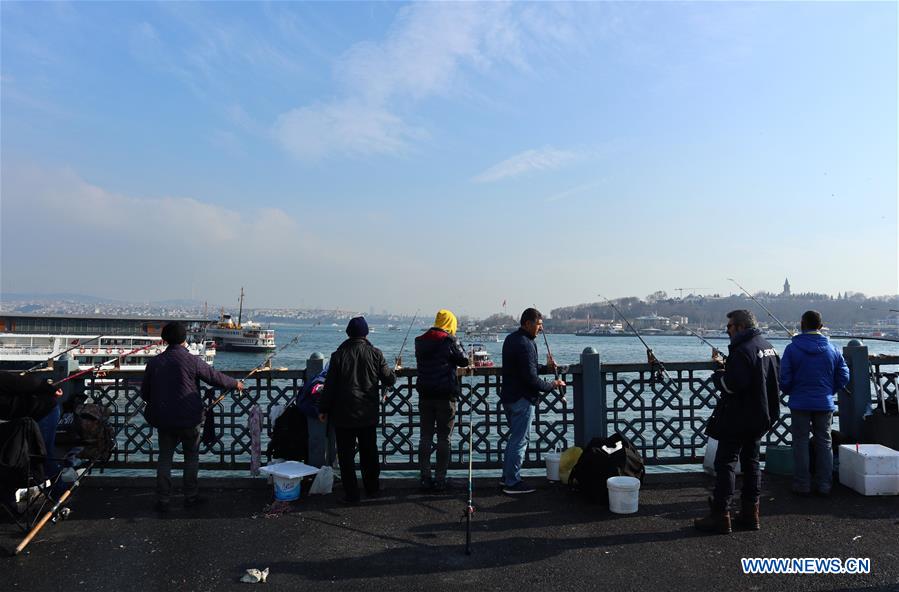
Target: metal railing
[665, 419]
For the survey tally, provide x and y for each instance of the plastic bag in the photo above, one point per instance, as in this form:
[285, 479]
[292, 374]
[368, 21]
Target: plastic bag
[324, 481]
[567, 462]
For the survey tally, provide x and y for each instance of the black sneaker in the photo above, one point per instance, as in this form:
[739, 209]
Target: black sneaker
[161, 507]
[193, 502]
[349, 501]
[426, 485]
[518, 488]
[442, 485]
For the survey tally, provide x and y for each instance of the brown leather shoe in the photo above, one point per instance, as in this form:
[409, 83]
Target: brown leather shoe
[717, 522]
[748, 516]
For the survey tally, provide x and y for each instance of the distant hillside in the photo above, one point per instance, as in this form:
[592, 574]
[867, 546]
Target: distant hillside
[841, 312]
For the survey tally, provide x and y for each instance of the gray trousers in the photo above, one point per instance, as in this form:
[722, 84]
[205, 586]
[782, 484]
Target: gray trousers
[820, 422]
[322, 443]
[437, 415]
[189, 438]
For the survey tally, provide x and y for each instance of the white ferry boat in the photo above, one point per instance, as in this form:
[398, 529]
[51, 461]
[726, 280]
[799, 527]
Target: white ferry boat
[19, 351]
[238, 336]
[473, 333]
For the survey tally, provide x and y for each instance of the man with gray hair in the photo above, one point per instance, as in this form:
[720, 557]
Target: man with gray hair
[748, 407]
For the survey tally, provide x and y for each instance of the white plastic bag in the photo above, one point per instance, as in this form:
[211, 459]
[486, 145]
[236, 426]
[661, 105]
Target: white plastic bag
[708, 462]
[324, 481]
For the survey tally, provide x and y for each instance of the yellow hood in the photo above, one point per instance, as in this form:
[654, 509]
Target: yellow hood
[447, 321]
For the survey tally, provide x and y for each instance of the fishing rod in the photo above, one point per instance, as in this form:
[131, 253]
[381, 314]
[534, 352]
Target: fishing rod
[65, 351]
[266, 362]
[399, 357]
[770, 314]
[654, 362]
[555, 366]
[96, 367]
[469, 507]
[715, 350]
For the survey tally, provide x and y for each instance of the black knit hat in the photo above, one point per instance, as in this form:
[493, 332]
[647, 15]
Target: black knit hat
[357, 327]
[174, 333]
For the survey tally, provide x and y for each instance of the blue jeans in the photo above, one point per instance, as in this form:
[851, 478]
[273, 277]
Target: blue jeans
[820, 426]
[47, 426]
[519, 416]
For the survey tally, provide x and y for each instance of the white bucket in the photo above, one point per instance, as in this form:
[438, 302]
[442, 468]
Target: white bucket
[287, 490]
[624, 494]
[552, 465]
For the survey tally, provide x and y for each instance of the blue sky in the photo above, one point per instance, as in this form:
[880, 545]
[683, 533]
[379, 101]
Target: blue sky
[408, 156]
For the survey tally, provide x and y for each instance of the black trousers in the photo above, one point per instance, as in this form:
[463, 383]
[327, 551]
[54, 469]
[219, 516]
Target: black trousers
[729, 451]
[367, 439]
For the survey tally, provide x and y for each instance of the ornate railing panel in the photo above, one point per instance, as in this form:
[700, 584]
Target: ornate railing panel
[885, 387]
[665, 418]
[399, 427]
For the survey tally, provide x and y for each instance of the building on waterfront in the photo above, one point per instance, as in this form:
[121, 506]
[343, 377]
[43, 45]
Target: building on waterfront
[652, 321]
[12, 322]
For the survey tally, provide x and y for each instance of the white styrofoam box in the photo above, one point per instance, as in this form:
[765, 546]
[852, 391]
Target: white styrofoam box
[708, 461]
[870, 459]
[869, 484]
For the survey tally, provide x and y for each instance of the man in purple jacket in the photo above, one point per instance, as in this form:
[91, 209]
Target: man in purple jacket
[811, 371]
[171, 389]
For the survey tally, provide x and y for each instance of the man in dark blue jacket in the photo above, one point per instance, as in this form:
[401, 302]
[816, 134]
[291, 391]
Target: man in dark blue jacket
[749, 405]
[811, 371]
[171, 389]
[521, 388]
[437, 355]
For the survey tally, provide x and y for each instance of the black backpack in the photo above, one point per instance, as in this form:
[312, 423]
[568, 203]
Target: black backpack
[290, 436]
[597, 464]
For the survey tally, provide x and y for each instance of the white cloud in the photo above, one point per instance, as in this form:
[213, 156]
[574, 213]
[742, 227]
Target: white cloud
[317, 131]
[545, 159]
[59, 232]
[427, 52]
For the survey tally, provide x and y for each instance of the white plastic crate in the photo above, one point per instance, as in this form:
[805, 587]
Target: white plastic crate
[872, 469]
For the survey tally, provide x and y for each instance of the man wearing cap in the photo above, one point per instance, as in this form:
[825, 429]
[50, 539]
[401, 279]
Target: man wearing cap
[175, 408]
[437, 355]
[351, 399]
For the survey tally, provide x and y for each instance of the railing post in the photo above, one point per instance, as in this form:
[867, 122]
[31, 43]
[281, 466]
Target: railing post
[314, 365]
[589, 399]
[854, 407]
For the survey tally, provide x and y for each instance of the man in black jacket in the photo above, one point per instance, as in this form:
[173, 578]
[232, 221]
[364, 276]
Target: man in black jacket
[351, 398]
[521, 388]
[749, 405]
[437, 355]
[171, 389]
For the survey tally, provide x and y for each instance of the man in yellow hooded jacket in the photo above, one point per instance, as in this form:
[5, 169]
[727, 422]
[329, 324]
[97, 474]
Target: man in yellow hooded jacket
[437, 355]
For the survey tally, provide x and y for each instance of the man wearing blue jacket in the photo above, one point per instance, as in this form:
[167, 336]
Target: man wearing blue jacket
[171, 389]
[811, 371]
[521, 388]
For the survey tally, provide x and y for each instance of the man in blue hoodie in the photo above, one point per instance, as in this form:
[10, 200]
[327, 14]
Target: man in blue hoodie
[811, 371]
